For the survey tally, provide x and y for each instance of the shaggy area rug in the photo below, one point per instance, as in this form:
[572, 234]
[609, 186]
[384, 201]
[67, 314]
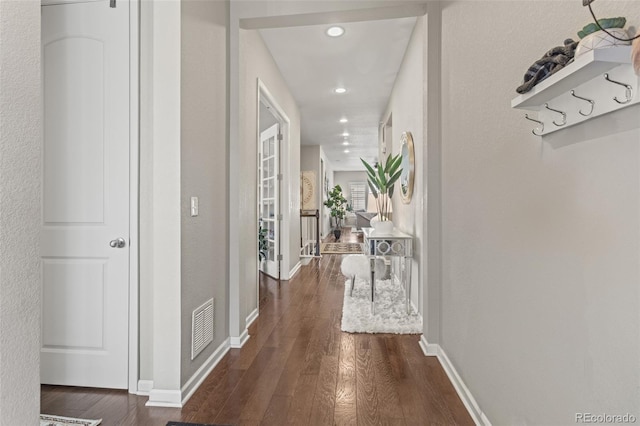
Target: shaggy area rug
[390, 313]
[340, 248]
[48, 420]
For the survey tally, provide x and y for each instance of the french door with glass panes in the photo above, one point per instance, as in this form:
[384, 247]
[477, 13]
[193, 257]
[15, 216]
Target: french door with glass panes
[269, 208]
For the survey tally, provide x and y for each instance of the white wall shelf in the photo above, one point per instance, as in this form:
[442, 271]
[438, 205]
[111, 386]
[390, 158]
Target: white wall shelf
[586, 77]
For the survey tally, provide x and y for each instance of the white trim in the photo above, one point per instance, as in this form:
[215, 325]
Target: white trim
[207, 367]
[238, 342]
[252, 317]
[428, 349]
[134, 196]
[164, 398]
[461, 388]
[265, 96]
[295, 269]
[144, 387]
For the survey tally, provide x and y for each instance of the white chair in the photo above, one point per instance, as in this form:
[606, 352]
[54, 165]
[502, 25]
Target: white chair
[358, 265]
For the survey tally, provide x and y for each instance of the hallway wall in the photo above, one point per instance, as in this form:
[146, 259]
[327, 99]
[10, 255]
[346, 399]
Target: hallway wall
[406, 104]
[20, 211]
[256, 63]
[541, 245]
[204, 171]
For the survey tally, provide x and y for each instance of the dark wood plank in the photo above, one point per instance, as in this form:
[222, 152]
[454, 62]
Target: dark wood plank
[297, 368]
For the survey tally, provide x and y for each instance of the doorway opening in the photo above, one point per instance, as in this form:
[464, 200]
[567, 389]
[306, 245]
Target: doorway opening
[272, 141]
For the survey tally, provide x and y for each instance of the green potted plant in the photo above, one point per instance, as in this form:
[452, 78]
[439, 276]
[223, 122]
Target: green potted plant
[263, 243]
[337, 205]
[381, 184]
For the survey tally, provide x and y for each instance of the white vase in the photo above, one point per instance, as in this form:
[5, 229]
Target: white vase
[601, 40]
[383, 227]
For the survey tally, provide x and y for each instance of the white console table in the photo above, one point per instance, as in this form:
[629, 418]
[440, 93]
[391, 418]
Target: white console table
[395, 244]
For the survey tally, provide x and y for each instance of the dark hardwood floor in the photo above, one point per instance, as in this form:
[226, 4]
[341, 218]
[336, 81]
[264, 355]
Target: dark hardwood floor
[297, 368]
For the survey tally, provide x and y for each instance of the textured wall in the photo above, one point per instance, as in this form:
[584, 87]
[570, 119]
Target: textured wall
[204, 170]
[541, 245]
[256, 62]
[406, 107]
[20, 171]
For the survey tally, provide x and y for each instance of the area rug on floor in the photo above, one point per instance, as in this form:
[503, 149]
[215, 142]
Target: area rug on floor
[391, 314]
[191, 424]
[340, 248]
[48, 420]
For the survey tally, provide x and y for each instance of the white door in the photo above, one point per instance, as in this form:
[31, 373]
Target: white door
[85, 236]
[269, 210]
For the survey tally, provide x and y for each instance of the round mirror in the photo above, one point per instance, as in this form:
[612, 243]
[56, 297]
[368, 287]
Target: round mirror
[408, 159]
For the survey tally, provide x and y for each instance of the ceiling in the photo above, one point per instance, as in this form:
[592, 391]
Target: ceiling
[364, 60]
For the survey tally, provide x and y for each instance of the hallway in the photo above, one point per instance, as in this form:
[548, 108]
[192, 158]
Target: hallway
[297, 368]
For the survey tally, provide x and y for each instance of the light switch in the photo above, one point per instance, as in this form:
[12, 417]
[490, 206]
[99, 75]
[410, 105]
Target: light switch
[194, 206]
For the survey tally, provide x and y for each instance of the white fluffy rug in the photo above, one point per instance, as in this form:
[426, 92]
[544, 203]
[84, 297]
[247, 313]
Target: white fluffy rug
[391, 315]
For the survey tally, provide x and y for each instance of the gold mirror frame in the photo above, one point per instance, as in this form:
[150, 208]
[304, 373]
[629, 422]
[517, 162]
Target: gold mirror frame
[408, 167]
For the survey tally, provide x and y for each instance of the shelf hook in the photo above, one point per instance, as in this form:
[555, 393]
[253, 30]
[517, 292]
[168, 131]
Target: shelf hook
[535, 121]
[564, 115]
[628, 93]
[592, 102]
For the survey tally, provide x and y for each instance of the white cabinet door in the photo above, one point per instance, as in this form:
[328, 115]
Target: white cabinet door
[85, 288]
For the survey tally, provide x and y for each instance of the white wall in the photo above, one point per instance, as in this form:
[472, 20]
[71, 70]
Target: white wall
[256, 63]
[345, 178]
[406, 107]
[164, 306]
[541, 245]
[20, 214]
[204, 171]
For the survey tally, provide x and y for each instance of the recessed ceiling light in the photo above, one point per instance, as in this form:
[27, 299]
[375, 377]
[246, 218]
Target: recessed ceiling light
[335, 31]
[343, 120]
[345, 134]
[346, 151]
[340, 90]
[345, 143]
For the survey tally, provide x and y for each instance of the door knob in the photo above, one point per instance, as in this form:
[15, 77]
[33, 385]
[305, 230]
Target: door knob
[117, 243]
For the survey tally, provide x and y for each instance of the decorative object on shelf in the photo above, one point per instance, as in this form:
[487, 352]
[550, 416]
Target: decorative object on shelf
[601, 40]
[552, 61]
[596, 83]
[337, 205]
[407, 166]
[604, 23]
[381, 183]
[307, 187]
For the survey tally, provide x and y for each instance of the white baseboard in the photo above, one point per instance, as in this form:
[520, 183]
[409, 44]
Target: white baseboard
[295, 270]
[144, 387]
[461, 388]
[198, 377]
[252, 317]
[238, 342]
[164, 398]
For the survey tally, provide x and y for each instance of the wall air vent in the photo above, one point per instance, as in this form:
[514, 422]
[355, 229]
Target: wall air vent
[202, 326]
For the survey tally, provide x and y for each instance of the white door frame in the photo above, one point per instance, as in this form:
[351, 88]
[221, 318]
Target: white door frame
[134, 181]
[134, 191]
[264, 96]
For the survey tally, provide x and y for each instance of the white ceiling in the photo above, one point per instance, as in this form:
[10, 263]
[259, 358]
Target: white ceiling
[364, 60]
